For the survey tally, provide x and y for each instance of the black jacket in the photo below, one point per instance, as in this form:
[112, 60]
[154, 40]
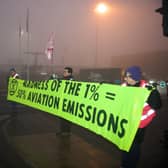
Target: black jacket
[154, 100]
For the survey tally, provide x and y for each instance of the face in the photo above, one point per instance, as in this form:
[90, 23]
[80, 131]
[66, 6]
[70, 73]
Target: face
[12, 73]
[66, 73]
[128, 79]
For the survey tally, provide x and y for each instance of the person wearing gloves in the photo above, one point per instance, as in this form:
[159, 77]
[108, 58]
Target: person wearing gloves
[133, 78]
[14, 105]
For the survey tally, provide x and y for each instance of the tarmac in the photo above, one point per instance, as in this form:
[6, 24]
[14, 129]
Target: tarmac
[31, 137]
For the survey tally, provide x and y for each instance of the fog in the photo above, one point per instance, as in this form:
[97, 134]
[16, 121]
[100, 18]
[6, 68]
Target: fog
[130, 33]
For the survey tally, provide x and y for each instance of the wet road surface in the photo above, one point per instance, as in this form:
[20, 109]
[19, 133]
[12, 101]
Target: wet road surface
[29, 140]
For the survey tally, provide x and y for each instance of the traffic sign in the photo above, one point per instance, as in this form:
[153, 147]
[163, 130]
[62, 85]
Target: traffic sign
[162, 84]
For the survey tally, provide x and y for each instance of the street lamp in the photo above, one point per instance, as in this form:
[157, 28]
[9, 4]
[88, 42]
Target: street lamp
[101, 9]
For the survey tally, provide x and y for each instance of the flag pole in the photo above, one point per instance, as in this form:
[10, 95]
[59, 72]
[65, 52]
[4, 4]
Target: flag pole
[28, 38]
[20, 34]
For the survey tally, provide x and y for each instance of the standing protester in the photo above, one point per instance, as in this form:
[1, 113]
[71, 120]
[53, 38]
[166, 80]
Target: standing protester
[133, 77]
[65, 126]
[15, 75]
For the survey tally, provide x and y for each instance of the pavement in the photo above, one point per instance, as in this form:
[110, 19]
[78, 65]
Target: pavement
[31, 136]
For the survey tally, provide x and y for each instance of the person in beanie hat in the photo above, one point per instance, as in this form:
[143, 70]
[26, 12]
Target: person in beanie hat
[133, 77]
[134, 72]
[13, 73]
[14, 106]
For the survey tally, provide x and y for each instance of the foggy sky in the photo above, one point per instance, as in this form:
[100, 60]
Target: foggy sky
[131, 29]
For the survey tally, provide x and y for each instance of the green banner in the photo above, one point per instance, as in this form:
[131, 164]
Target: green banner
[111, 111]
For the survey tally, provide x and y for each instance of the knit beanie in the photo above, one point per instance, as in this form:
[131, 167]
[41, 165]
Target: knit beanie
[12, 69]
[135, 72]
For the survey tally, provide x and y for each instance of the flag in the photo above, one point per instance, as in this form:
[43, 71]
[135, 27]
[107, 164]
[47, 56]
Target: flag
[50, 47]
[20, 31]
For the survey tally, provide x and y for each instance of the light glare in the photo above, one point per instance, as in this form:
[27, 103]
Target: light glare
[101, 8]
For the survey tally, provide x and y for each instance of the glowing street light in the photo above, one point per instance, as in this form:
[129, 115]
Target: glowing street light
[101, 8]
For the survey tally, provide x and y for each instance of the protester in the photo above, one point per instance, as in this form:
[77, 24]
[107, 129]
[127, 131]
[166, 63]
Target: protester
[15, 75]
[133, 77]
[65, 126]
